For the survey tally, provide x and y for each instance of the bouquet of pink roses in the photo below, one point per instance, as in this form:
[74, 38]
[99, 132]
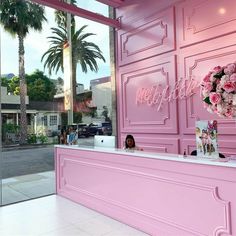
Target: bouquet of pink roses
[218, 90]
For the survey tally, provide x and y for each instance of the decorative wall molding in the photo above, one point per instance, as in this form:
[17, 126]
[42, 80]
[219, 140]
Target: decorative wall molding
[225, 145]
[197, 63]
[147, 37]
[188, 144]
[126, 81]
[130, 41]
[155, 144]
[157, 70]
[195, 24]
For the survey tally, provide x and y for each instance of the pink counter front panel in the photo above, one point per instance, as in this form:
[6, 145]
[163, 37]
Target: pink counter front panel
[159, 197]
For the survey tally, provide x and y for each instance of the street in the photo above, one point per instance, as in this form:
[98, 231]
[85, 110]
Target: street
[17, 162]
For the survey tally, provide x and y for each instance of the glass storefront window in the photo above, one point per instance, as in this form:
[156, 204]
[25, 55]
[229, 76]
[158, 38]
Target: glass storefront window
[90, 86]
[93, 6]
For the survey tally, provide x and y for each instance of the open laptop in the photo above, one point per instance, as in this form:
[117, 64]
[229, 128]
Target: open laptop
[104, 141]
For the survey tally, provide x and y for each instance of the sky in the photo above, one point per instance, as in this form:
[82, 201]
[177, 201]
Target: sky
[36, 43]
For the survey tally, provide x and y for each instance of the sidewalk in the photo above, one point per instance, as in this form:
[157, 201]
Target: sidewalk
[26, 146]
[25, 187]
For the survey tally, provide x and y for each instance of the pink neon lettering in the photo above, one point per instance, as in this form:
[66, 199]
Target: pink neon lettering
[182, 90]
[192, 85]
[155, 95]
[163, 97]
[139, 96]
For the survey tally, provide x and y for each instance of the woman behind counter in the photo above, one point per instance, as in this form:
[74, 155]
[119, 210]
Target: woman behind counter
[130, 143]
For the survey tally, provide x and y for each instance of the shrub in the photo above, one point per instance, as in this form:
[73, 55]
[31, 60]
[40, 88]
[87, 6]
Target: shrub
[43, 138]
[32, 138]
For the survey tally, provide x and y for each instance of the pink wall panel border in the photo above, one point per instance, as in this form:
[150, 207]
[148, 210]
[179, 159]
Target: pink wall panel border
[204, 20]
[158, 31]
[226, 146]
[143, 118]
[153, 144]
[197, 62]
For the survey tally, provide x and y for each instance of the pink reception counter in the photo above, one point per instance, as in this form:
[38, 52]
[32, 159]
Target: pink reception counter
[160, 194]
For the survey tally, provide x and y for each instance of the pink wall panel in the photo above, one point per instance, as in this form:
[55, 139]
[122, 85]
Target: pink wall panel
[225, 145]
[196, 61]
[158, 32]
[159, 145]
[188, 144]
[135, 10]
[205, 38]
[142, 117]
[205, 19]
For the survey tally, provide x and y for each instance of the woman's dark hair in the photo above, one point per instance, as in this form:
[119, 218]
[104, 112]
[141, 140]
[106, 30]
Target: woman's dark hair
[129, 136]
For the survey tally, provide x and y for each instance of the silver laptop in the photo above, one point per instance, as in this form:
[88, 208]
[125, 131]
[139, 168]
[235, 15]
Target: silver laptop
[104, 141]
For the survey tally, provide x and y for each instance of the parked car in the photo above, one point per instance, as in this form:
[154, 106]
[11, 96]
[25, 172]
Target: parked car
[104, 128]
[93, 129]
[82, 129]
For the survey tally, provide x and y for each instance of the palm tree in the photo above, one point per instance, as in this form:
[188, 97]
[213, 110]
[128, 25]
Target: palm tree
[83, 52]
[17, 18]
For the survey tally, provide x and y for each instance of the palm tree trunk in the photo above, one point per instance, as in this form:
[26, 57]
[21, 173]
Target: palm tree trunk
[113, 75]
[74, 84]
[74, 64]
[23, 92]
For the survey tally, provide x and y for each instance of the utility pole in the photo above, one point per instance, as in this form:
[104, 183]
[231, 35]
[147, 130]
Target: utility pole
[68, 25]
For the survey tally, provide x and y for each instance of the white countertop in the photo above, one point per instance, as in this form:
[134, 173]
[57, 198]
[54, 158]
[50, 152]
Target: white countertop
[162, 156]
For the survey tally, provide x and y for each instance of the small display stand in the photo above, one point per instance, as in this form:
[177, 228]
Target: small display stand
[206, 139]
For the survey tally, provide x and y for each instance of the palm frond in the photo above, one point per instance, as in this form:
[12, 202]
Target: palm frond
[83, 52]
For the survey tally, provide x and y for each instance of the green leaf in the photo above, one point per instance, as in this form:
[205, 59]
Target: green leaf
[207, 100]
[219, 74]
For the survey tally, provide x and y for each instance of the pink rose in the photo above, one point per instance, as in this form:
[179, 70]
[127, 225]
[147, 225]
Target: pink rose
[209, 109]
[227, 97]
[230, 68]
[234, 100]
[215, 98]
[229, 87]
[217, 69]
[233, 77]
[208, 87]
[218, 88]
[229, 113]
[214, 108]
[207, 78]
[223, 99]
[221, 108]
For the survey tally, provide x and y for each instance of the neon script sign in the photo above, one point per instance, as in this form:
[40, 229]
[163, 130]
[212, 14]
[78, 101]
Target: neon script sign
[156, 95]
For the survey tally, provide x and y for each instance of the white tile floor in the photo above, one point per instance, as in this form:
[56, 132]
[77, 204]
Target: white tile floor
[57, 216]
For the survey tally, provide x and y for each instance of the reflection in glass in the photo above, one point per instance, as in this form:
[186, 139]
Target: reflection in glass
[93, 6]
[28, 166]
